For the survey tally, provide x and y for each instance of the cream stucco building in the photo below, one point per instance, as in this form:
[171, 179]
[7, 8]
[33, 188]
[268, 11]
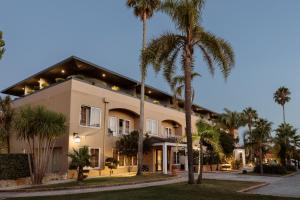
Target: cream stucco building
[100, 106]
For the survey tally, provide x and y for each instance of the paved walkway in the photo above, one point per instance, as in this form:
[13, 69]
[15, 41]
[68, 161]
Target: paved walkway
[285, 187]
[290, 185]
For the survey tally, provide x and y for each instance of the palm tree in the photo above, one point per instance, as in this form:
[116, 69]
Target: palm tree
[6, 120]
[164, 51]
[261, 136]
[231, 120]
[286, 140]
[143, 9]
[282, 96]
[80, 159]
[249, 117]
[2, 44]
[39, 128]
[207, 135]
[177, 86]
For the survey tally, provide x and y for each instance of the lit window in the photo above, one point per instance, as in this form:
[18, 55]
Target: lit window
[90, 116]
[152, 126]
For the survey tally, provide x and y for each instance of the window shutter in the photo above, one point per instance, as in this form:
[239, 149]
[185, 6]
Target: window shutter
[113, 125]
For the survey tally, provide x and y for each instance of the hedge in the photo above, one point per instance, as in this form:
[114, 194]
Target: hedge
[271, 169]
[14, 166]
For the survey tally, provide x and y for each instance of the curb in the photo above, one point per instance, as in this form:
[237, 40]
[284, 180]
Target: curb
[85, 187]
[253, 187]
[291, 174]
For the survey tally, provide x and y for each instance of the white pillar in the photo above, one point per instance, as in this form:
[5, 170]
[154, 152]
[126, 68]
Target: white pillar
[186, 167]
[165, 158]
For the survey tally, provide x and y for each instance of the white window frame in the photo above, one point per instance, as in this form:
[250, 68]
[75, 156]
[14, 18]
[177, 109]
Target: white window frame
[168, 133]
[151, 122]
[91, 108]
[117, 131]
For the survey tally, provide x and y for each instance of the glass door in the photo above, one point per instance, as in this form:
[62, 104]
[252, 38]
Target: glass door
[159, 160]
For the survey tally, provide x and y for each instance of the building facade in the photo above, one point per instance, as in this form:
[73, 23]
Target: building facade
[101, 106]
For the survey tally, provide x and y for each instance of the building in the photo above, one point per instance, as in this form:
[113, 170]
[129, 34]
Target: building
[100, 106]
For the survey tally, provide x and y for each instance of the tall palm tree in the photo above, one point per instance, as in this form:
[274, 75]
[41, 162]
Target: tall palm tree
[6, 120]
[2, 44]
[177, 86]
[39, 128]
[209, 135]
[249, 117]
[282, 96]
[231, 120]
[261, 135]
[164, 51]
[143, 9]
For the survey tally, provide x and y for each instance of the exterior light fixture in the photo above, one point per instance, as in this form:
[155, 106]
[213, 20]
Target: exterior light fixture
[149, 92]
[115, 88]
[156, 102]
[63, 71]
[103, 75]
[76, 138]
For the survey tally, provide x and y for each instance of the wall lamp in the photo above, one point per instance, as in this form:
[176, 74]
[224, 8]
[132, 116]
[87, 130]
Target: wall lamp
[76, 138]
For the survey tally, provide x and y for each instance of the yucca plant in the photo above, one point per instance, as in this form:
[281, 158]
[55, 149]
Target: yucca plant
[163, 52]
[80, 159]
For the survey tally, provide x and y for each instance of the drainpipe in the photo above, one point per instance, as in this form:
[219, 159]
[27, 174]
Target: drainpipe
[106, 102]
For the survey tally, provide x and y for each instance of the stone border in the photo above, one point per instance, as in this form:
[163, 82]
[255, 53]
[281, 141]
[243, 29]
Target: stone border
[259, 185]
[87, 186]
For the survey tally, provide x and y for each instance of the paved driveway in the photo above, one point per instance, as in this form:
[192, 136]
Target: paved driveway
[286, 186]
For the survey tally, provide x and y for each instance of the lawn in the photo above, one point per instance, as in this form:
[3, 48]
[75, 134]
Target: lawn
[210, 190]
[105, 181]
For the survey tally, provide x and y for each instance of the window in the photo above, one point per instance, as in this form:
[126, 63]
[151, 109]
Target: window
[113, 128]
[168, 132]
[90, 116]
[151, 126]
[119, 126]
[95, 157]
[123, 160]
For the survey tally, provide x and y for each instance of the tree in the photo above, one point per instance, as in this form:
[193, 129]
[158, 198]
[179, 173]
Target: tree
[164, 51]
[177, 86]
[40, 128]
[80, 159]
[249, 116]
[207, 135]
[2, 44]
[128, 145]
[6, 120]
[227, 143]
[286, 141]
[261, 136]
[231, 120]
[143, 9]
[282, 96]
[112, 164]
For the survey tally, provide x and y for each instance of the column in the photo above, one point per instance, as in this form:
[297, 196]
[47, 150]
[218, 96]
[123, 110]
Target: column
[165, 158]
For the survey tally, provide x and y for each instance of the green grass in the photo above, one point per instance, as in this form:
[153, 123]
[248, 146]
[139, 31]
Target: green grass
[105, 181]
[209, 190]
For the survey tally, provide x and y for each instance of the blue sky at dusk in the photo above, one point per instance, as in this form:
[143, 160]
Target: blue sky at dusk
[264, 34]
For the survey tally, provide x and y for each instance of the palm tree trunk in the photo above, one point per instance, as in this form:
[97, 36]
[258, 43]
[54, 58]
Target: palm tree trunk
[200, 176]
[251, 143]
[283, 112]
[261, 160]
[142, 106]
[8, 144]
[188, 110]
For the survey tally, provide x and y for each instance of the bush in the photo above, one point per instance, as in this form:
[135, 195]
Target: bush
[14, 166]
[271, 169]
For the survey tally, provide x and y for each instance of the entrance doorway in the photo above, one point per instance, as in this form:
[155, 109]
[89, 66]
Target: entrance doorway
[158, 160]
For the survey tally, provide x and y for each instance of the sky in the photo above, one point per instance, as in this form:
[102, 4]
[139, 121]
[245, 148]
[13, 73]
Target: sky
[264, 35]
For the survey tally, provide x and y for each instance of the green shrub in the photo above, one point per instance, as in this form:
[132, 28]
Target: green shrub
[271, 169]
[14, 166]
